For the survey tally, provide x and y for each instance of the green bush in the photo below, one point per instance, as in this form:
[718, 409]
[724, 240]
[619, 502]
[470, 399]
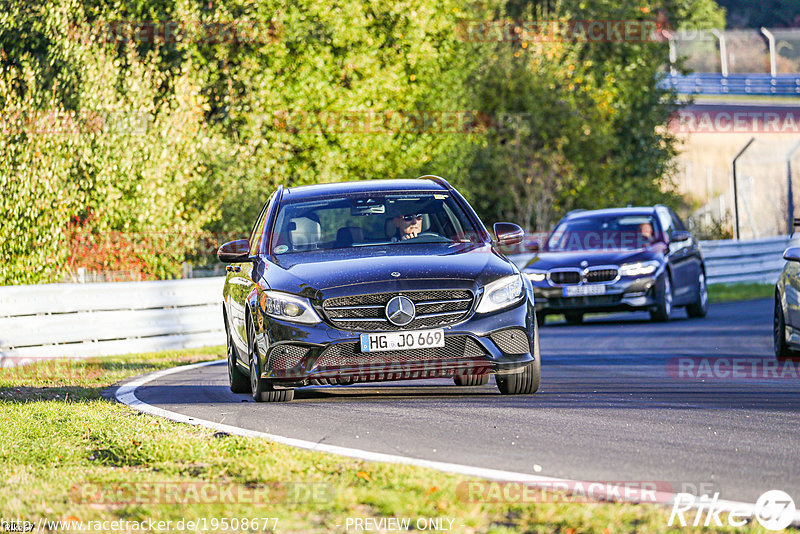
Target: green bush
[95, 148]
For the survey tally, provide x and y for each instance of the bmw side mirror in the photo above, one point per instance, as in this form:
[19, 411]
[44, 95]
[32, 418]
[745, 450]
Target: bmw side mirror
[234, 251]
[532, 245]
[679, 235]
[508, 234]
[792, 254]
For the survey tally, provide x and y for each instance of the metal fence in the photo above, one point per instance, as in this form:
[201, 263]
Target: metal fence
[79, 320]
[767, 183]
[739, 62]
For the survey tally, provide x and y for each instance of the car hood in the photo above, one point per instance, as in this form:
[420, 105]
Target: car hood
[551, 260]
[331, 273]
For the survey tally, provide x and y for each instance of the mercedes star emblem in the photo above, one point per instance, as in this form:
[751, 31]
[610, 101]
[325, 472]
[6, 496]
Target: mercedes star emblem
[400, 311]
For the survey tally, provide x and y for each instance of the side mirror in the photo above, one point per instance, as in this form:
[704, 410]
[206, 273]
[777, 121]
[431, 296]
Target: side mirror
[508, 234]
[679, 235]
[792, 254]
[234, 251]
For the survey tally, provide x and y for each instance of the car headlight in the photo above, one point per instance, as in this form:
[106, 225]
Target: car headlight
[536, 276]
[289, 307]
[640, 268]
[501, 293]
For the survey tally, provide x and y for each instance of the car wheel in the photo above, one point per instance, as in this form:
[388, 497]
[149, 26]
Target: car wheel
[238, 380]
[574, 317]
[699, 308]
[471, 380]
[524, 383]
[260, 388]
[541, 318]
[782, 350]
[663, 299]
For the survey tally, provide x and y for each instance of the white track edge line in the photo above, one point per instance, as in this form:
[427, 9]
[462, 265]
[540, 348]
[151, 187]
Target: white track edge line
[126, 394]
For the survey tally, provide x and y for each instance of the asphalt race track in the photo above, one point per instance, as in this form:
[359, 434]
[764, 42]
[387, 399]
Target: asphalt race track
[611, 408]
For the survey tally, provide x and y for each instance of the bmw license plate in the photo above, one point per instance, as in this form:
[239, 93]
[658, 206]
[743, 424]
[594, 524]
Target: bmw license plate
[584, 291]
[417, 339]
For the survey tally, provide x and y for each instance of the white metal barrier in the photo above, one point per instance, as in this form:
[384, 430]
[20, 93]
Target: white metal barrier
[79, 320]
[756, 260]
[729, 261]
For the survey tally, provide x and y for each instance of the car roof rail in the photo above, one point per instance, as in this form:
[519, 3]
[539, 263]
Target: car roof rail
[438, 179]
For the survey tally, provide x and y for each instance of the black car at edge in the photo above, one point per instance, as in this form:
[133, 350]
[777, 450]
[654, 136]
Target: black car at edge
[328, 291]
[616, 260]
[786, 318]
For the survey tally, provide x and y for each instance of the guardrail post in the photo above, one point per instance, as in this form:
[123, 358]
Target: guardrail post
[773, 66]
[723, 52]
[673, 52]
[735, 186]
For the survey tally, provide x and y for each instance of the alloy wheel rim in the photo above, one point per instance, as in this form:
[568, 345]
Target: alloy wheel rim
[703, 290]
[667, 295]
[777, 335]
[251, 342]
[230, 360]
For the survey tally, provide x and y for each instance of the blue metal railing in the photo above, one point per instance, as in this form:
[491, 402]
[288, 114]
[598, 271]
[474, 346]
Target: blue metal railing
[734, 84]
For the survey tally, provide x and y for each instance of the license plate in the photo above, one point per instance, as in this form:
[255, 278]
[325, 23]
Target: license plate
[416, 339]
[584, 291]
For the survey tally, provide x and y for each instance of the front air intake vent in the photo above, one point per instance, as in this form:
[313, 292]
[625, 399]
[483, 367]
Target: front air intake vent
[511, 341]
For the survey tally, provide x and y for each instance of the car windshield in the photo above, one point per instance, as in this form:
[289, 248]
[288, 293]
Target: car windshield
[369, 220]
[620, 232]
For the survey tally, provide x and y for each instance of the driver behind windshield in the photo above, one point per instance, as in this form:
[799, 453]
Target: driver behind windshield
[409, 225]
[645, 233]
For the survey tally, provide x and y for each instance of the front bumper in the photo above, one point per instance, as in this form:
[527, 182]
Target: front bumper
[293, 355]
[625, 294]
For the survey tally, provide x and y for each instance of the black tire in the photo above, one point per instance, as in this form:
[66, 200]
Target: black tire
[261, 389]
[471, 380]
[541, 318]
[238, 380]
[782, 350]
[699, 308]
[574, 317]
[526, 382]
[663, 308]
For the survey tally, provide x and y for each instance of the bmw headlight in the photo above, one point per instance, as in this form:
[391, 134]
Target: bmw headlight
[639, 268]
[501, 293]
[536, 276]
[289, 307]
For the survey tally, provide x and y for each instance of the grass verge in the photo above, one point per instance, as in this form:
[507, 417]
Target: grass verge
[66, 453]
[741, 291]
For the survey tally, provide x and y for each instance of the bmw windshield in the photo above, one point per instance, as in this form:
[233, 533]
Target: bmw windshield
[617, 232]
[370, 220]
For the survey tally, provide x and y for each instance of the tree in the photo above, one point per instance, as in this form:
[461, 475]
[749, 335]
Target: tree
[593, 114]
